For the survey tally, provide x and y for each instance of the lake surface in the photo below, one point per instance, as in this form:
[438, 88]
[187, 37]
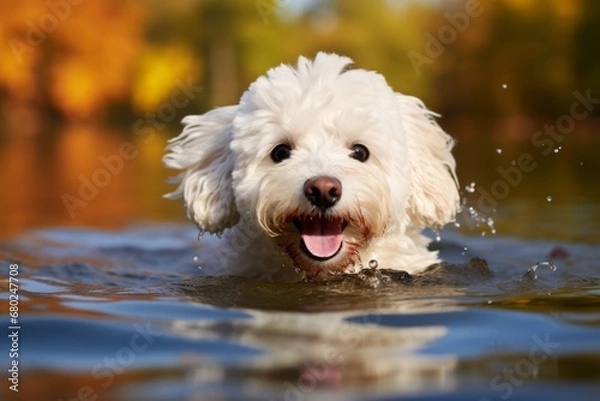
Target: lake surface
[113, 307]
[126, 315]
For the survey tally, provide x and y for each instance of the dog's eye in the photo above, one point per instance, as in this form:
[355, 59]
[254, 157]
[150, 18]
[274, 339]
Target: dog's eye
[280, 153]
[360, 153]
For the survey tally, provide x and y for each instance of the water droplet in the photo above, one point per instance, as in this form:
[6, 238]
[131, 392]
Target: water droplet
[504, 86]
[200, 234]
[513, 162]
[556, 150]
[489, 302]
[549, 198]
[438, 237]
[483, 234]
[581, 163]
[456, 224]
[474, 219]
[373, 264]
[499, 151]
[470, 188]
[547, 263]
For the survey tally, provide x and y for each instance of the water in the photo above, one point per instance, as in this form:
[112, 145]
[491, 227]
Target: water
[121, 311]
[126, 315]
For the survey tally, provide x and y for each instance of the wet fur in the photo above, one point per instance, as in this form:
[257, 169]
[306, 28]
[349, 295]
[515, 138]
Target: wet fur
[321, 108]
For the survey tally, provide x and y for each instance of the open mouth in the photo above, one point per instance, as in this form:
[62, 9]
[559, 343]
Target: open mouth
[321, 237]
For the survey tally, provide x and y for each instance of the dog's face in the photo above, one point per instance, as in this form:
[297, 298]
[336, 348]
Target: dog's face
[321, 163]
[322, 160]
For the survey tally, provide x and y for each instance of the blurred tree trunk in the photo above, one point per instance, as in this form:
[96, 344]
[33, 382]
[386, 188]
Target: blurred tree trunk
[222, 71]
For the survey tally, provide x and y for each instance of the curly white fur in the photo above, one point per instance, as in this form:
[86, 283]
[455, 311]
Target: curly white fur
[320, 109]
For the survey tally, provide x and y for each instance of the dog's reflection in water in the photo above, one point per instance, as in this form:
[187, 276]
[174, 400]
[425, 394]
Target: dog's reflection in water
[302, 353]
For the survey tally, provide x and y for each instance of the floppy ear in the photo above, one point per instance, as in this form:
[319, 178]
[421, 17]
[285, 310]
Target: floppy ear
[202, 151]
[434, 198]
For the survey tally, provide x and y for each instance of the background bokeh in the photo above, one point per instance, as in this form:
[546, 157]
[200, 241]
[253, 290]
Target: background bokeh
[91, 90]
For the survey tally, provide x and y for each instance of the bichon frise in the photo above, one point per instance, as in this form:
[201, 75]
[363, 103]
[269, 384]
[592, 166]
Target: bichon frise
[319, 170]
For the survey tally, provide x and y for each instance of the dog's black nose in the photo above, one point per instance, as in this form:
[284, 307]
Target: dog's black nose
[323, 192]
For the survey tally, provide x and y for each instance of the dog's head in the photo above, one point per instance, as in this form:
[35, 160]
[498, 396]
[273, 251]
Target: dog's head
[322, 158]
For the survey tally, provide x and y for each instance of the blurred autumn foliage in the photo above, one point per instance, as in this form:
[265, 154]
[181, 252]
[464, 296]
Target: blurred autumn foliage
[81, 60]
[91, 90]
[72, 59]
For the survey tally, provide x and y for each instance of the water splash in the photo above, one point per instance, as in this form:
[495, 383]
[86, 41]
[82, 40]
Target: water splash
[196, 259]
[532, 271]
[474, 219]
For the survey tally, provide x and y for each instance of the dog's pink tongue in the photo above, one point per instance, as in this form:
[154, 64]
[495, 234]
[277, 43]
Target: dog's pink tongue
[322, 237]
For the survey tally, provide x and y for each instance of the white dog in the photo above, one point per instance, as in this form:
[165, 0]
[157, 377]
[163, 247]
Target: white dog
[319, 170]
